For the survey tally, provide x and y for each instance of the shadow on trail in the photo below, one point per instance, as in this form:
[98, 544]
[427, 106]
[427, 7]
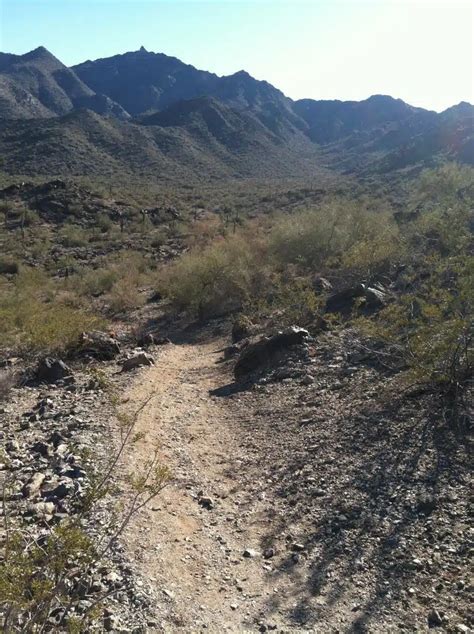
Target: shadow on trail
[180, 331]
[386, 475]
[229, 389]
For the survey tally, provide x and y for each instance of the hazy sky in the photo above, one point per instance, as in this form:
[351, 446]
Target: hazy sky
[418, 50]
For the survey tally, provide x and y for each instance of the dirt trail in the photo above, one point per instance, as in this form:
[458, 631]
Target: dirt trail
[192, 555]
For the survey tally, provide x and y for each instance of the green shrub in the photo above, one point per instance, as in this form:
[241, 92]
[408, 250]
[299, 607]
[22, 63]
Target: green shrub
[210, 281]
[429, 330]
[376, 256]
[124, 294]
[98, 281]
[321, 237]
[289, 302]
[444, 199]
[73, 236]
[104, 223]
[35, 319]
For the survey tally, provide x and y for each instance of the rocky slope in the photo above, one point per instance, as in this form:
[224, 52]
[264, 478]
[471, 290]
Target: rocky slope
[189, 112]
[210, 143]
[37, 85]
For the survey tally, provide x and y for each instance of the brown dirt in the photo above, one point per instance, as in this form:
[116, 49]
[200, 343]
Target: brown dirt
[189, 552]
[329, 475]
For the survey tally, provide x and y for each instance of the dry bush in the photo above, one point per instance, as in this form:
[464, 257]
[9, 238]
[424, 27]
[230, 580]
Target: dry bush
[321, 237]
[210, 281]
[205, 230]
[125, 294]
[35, 318]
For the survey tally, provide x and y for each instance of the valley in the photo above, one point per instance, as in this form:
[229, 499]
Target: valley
[236, 360]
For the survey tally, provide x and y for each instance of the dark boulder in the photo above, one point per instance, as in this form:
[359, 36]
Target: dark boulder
[51, 370]
[368, 298]
[268, 350]
[321, 285]
[145, 340]
[98, 345]
[137, 360]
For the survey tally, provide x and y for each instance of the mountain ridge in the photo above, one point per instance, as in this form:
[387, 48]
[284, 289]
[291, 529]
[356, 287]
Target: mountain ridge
[206, 122]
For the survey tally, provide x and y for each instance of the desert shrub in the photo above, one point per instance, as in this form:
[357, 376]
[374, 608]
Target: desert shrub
[320, 237]
[118, 280]
[75, 209]
[41, 246]
[286, 301]
[124, 294]
[205, 230]
[444, 199]
[445, 185]
[429, 331]
[210, 281]
[28, 218]
[5, 209]
[73, 236]
[98, 281]
[372, 258]
[128, 271]
[158, 238]
[35, 319]
[443, 231]
[103, 222]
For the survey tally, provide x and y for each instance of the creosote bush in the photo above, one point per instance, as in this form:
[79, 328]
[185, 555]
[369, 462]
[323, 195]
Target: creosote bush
[34, 318]
[215, 279]
[341, 230]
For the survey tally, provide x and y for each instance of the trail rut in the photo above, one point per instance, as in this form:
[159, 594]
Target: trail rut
[194, 556]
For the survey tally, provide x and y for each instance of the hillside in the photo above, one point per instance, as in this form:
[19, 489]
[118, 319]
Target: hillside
[37, 85]
[200, 140]
[163, 117]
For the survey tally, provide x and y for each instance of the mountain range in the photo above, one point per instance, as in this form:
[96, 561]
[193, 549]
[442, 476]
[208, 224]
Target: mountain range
[151, 114]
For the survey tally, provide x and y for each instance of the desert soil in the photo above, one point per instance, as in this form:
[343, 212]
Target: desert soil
[317, 520]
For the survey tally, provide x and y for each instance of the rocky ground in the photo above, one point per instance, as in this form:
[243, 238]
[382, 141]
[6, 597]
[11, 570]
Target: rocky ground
[316, 494]
[55, 438]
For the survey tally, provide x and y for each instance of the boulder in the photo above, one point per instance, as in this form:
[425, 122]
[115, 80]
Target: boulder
[241, 329]
[321, 285]
[232, 351]
[43, 510]
[33, 485]
[51, 370]
[145, 340]
[141, 358]
[99, 345]
[369, 298]
[268, 350]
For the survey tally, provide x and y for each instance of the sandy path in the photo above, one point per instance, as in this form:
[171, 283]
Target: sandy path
[194, 556]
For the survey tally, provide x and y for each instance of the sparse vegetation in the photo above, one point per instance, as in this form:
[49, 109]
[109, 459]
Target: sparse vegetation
[257, 256]
[267, 271]
[46, 574]
[35, 317]
[214, 280]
